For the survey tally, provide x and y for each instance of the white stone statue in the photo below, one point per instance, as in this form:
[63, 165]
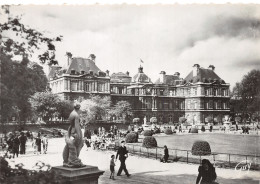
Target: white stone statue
[145, 120]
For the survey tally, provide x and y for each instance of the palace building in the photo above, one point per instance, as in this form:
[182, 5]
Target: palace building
[201, 94]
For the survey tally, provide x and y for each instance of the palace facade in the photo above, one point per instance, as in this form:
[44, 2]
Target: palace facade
[201, 94]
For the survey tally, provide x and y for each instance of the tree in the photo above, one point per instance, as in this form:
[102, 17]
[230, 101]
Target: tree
[64, 108]
[122, 109]
[44, 104]
[246, 95]
[94, 108]
[18, 39]
[18, 82]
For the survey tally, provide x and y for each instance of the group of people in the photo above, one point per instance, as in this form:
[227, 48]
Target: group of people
[40, 142]
[16, 144]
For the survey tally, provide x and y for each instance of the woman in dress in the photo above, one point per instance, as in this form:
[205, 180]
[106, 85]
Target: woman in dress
[207, 173]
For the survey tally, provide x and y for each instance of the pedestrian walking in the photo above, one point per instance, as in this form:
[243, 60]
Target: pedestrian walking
[112, 167]
[16, 145]
[123, 154]
[45, 144]
[165, 157]
[39, 144]
[22, 140]
[207, 173]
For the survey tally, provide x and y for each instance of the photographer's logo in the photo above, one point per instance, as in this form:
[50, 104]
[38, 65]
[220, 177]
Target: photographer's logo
[243, 166]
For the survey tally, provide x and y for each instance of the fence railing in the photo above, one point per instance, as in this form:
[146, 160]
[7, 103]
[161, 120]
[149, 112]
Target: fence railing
[223, 160]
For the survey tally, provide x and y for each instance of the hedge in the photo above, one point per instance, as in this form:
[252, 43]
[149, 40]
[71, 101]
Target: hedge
[149, 142]
[148, 133]
[131, 137]
[194, 130]
[201, 148]
[168, 131]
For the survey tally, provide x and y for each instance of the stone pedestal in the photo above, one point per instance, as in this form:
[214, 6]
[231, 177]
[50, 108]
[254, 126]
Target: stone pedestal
[86, 175]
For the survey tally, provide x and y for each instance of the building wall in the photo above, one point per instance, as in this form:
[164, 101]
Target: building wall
[167, 103]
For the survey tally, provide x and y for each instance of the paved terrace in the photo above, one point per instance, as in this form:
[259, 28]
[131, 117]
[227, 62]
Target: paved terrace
[143, 170]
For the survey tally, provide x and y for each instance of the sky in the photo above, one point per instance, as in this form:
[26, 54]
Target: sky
[170, 38]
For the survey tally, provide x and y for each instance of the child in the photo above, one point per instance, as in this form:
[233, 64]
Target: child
[112, 167]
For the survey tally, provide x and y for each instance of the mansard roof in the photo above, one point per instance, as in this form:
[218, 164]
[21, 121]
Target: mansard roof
[203, 75]
[54, 70]
[81, 64]
[168, 79]
[120, 77]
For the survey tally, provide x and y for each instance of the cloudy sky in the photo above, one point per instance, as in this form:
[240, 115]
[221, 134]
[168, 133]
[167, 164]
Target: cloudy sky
[166, 37]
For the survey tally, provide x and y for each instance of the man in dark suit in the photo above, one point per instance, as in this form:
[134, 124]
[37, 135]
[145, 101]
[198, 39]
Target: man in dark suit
[123, 154]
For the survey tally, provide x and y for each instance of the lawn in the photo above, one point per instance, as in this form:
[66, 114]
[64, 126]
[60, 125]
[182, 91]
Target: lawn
[221, 143]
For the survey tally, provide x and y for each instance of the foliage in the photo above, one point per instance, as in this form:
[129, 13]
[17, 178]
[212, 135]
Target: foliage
[45, 104]
[64, 108]
[122, 109]
[41, 174]
[148, 133]
[136, 120]
[209, 119]
[156, 131]
[153, 120]
[96, 107]
[194, 130]
[18, 39]
[168, 131]
[131, 137]
[201, 148]
[246, 95]
[203, 128]
[182, 120]
[149, 142]
[18, 83]
[238, 119]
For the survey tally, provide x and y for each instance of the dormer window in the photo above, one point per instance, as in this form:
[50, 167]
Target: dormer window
[82, 72]
[73, 72]
[91, 72]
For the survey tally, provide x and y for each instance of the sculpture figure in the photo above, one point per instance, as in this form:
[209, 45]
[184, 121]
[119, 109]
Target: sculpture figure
[74, 141]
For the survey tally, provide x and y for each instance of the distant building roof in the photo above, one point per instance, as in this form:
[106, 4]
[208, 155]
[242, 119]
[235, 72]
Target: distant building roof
[120, 77]
[203, 75]
[82, 64]
[141, 77]
[168, 79]
[54, 70]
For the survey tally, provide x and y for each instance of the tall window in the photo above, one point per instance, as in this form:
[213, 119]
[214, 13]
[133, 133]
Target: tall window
[73, 86]
[211, 104]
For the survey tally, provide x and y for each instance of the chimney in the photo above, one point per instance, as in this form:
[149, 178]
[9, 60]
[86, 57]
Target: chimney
[177, 74]
[195, 69]
[212, 67]
[107, 72]
[140, 69]
[162, 76]
[127, 73]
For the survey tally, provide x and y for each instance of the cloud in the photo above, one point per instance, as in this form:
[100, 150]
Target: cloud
[166, 37]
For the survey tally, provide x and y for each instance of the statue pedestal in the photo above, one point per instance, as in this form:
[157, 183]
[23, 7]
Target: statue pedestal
[86, 175]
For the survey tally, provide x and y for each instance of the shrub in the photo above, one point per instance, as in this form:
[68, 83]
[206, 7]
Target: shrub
[182, 120]
[149, 142]
[209, 119]
[194, 130]
[238, 119]
[201, 148]
[43, 174]
[157, 131]
[203, 129]
[148, 133]
[136, 120]
[153, 120]
[168, 131]
[131, 138]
